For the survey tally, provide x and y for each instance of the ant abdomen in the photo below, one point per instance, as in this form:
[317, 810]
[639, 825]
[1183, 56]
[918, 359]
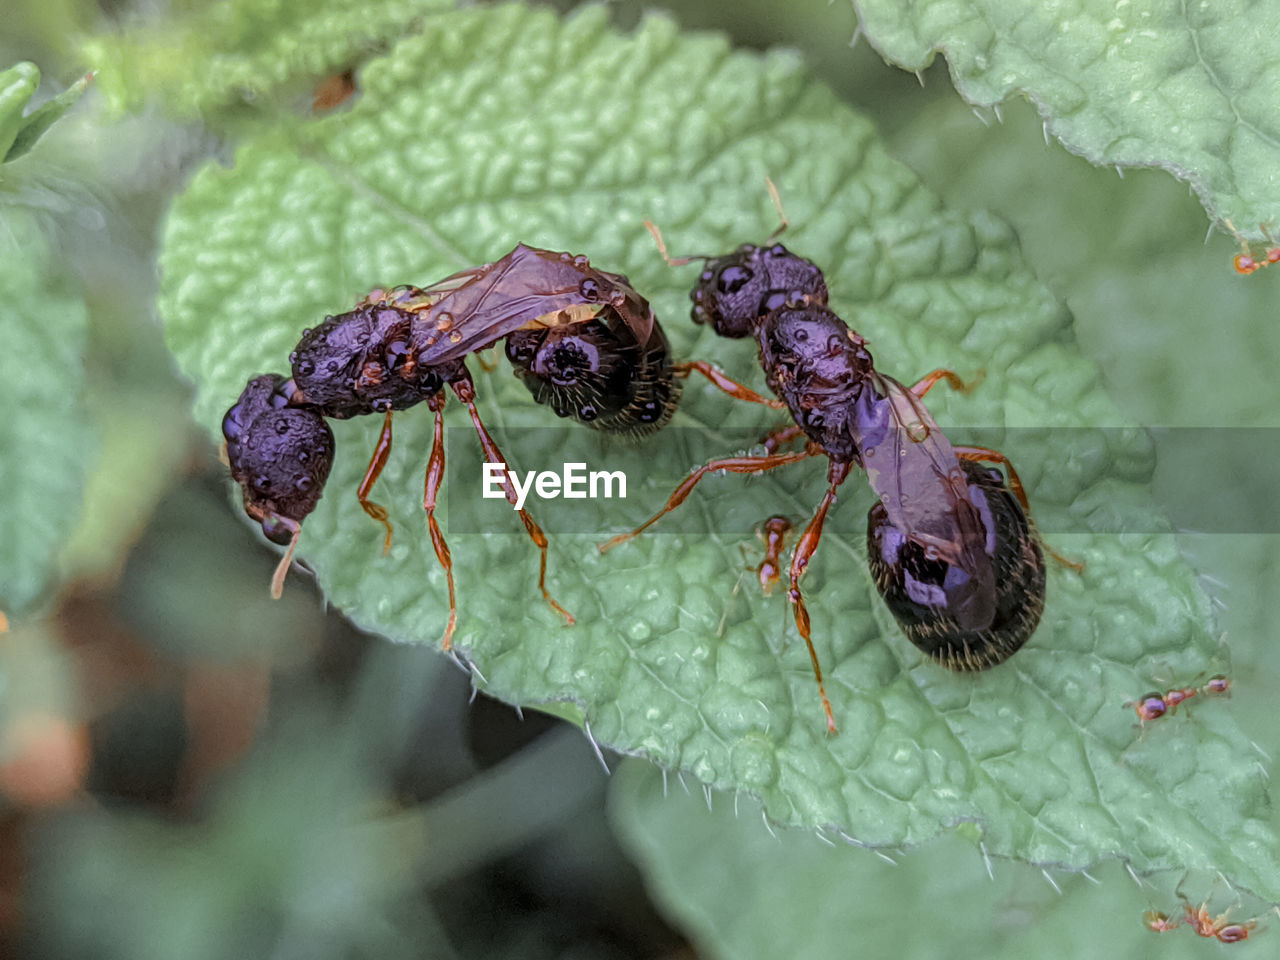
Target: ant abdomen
[598, 373]
[280, 455]
[915, 586]
[735, 291]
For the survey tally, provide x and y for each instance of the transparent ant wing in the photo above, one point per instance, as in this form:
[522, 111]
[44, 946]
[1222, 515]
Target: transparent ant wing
[528, 288]
[914, 471]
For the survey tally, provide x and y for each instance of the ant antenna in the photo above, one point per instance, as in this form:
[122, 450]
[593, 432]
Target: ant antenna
[282, 568]
[662, 248]
[777, 205]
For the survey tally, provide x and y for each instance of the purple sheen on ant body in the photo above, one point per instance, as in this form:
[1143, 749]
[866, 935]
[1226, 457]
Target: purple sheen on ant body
[934, 601]
[280, 455]
[736, 291]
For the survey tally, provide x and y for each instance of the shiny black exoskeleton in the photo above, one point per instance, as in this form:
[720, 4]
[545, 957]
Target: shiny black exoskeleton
[357, 363]
[582, 340]
[918, 589]
[598, 373]
[736, 291]
[816, 365]
[279, 454]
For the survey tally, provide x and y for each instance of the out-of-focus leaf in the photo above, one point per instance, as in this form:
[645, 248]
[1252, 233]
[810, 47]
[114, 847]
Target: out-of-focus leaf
[1191, 88]
[242, 50]
[583, 136]
[19, 133]
[278, 862]
[46, 115]
[45, 440]
[17, 87]
[744, 891]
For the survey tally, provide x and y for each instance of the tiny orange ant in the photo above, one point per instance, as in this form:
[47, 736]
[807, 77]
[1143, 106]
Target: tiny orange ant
[1160, 922]
[774, 535]
[1245, 262]
[1214, 928]
[1154, 705]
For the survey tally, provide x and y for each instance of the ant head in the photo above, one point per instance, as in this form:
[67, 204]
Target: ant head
[280, 455]
[735, 292]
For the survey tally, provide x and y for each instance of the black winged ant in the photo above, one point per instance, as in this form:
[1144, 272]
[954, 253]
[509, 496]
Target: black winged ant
[581, 339]
[954, 555]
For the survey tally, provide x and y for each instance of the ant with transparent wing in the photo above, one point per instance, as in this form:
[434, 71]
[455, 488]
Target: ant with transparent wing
[951, 550]
[582, 340]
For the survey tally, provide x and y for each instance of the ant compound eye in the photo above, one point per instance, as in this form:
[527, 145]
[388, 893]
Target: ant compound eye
[734, 278]
[773, 300]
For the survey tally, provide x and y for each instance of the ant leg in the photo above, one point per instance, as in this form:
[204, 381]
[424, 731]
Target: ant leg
[953, 380]
[662, 248]
[376, 463]
[282, 568]
[782, 214]
[435, 478]
[987, 455]
[730, 464]
[799, 563]
[729, 386]
[466, 392]
[780, 437]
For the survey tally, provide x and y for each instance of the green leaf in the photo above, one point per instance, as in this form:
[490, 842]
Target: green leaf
[582, 135]
[17, 87]
[46, 115]
[1155, 83]
[743, 891]
[239, 51]
[18, 133]
[45, 442]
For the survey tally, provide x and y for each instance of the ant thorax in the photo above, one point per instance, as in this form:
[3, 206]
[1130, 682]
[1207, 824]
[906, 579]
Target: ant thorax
[818, 367]
[735, 292]
[361, 362]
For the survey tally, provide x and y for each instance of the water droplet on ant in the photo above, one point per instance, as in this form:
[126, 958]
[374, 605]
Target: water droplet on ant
[282, 427]
[444, 323]
[589, 289]
[581, 261]
[455, 337]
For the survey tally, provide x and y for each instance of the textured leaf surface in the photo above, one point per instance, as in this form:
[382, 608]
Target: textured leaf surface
[44, 439]
[1190, 87]
[561, 134]
[744, 892]
[240, 50]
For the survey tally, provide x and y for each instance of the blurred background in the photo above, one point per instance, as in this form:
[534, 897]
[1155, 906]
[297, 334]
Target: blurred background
[192, 770]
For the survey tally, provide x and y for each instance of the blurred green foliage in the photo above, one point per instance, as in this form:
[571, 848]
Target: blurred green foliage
[368, 812]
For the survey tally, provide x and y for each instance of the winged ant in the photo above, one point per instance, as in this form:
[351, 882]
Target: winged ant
[581, 340]
[950, 547]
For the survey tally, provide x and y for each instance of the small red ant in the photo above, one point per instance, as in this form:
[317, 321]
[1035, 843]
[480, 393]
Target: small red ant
[1245, 262]
[1160, 922]
[774, 535]
[1154, 705]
